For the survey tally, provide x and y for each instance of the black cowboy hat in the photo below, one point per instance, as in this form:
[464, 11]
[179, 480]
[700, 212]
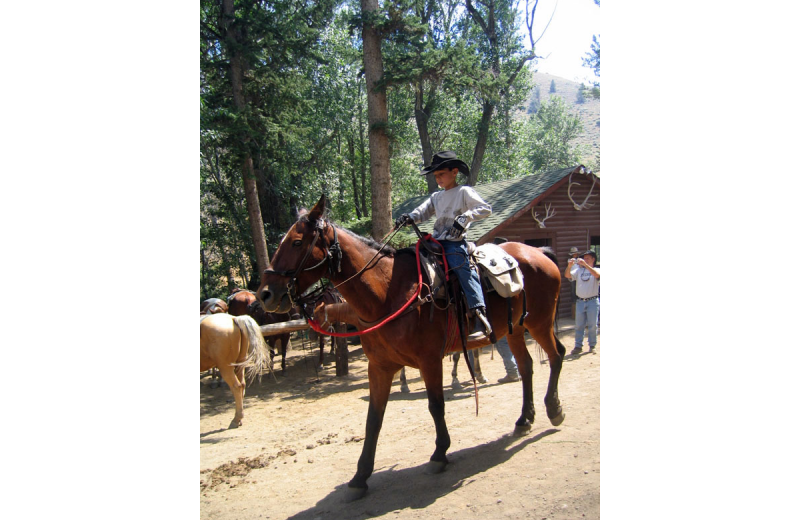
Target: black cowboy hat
[444, 160]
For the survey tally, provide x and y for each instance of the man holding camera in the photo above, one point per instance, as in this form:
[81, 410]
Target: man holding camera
[587, 288]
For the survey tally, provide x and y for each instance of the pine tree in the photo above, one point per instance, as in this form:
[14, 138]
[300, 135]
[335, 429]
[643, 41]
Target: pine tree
[552, 86]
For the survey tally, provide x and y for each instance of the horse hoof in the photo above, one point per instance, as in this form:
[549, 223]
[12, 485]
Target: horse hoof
[404, 389]
[435, 467]
[456, 385]
[352, 494]
[522, 429]
[558, 419]
[234, 424]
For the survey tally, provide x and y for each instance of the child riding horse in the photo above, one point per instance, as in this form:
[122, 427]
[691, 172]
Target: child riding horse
[379, 283]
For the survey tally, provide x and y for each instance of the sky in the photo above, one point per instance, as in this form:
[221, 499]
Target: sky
[567, 38]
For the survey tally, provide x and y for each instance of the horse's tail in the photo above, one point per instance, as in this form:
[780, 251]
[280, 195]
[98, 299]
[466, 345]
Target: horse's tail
[549, 253]
[257, 355]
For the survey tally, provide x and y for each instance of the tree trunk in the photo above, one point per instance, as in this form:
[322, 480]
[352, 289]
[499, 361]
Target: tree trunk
[421, 115]
[351, 152]
[363, 155]
[232, 39]
[226, 261]
[378, 119]
[480, 145]
[203, 273]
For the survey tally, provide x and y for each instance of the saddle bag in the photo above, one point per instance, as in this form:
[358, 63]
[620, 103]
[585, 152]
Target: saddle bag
[500, 269]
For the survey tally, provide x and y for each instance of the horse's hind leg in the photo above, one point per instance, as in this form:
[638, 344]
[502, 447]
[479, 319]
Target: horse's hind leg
[403, 383]
[380, 384]
[432, 375]
[455, 384]
[555, 351]
[516, 343]
[237, 387]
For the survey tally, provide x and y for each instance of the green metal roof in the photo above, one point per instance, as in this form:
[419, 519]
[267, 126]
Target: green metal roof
[506, 198]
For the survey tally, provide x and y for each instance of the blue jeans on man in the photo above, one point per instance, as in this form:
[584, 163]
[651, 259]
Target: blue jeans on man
[586, 317]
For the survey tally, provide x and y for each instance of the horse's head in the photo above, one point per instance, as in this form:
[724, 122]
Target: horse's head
[306, 252]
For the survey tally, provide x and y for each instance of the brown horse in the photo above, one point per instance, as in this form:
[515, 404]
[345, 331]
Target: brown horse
[242, 302]
[269, 318]
[232, 343]
[329, 296]
[377, 285]
[239, 301]
[213, 306]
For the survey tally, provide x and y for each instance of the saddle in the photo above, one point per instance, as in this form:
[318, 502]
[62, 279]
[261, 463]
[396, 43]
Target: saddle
[499, 273]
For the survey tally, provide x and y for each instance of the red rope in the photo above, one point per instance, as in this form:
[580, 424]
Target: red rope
[316, 326]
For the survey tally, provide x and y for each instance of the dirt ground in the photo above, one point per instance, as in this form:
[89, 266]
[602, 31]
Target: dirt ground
[301, 438]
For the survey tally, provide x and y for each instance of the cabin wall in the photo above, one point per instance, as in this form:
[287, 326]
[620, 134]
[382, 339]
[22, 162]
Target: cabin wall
[568, 227]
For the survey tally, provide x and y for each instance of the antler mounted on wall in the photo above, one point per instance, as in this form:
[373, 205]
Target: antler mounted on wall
[584, 204]
[548, 214]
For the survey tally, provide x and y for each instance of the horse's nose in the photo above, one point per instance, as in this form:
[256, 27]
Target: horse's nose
[265, 297]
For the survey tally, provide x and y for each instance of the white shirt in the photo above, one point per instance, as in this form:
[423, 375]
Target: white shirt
[586, 285]
[447, 205]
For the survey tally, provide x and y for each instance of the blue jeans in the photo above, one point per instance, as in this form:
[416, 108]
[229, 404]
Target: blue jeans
[458, 261]
[586, 317]
[508, 358]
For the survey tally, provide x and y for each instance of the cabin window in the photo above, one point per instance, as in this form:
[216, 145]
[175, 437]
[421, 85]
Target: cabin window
[539, 242]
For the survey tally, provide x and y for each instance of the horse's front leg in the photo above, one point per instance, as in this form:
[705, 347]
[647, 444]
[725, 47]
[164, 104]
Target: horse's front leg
[380, 384]
[432, 375]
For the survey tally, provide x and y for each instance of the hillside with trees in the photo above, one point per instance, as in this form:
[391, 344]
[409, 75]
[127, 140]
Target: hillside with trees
[588, 112]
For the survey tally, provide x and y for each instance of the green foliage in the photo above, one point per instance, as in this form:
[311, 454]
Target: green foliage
[304, 123]
[551, 131]
[592, 59]
[580, 97]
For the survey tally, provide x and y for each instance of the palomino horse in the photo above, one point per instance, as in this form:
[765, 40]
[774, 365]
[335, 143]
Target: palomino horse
[213, 306]
[377, 284]
[233, 343]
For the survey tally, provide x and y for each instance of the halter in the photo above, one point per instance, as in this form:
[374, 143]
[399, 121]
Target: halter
[333, 255]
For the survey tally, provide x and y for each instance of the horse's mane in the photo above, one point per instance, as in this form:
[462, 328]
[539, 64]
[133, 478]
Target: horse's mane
[368, 241]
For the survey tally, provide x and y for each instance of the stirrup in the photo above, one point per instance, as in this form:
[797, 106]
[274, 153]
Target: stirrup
[482, 328]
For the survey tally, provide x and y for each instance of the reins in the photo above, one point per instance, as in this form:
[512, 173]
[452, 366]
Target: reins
[316, 326]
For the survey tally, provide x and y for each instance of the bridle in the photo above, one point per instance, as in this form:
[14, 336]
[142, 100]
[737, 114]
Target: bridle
[333, 255]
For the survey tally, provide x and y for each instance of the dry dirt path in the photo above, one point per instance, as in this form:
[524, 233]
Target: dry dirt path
[301, 439]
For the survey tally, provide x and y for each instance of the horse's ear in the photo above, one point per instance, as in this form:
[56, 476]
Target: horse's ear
[318, 210]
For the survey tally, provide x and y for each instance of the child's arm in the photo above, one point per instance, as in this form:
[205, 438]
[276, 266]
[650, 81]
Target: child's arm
[424, 211]
[476, 207]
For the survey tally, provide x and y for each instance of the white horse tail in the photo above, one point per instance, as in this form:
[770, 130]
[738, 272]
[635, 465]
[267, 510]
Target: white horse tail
[257, 358]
